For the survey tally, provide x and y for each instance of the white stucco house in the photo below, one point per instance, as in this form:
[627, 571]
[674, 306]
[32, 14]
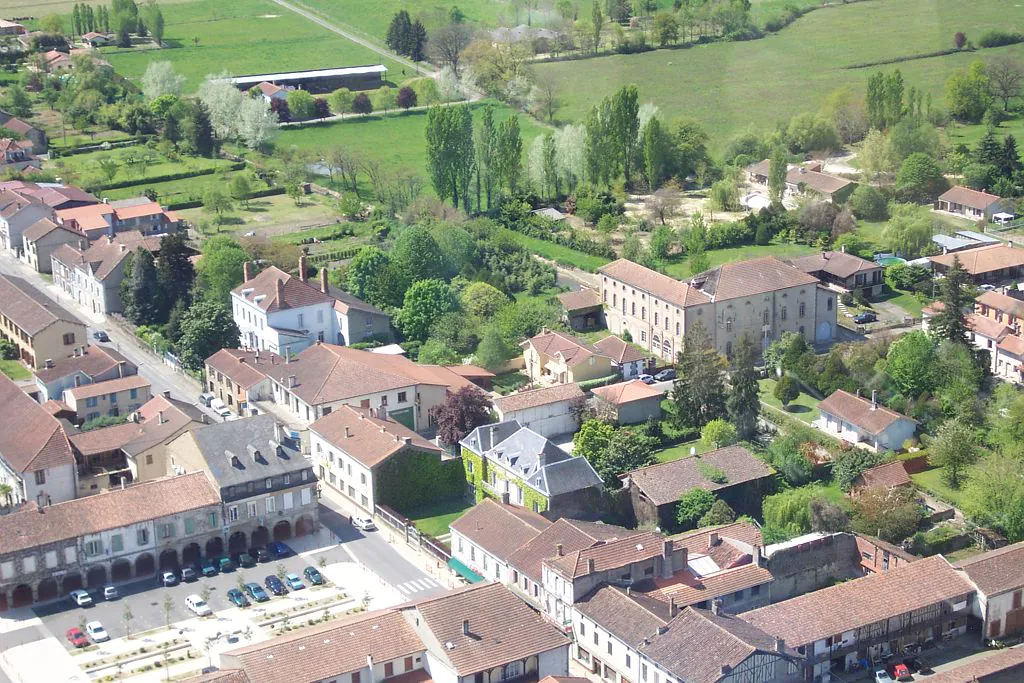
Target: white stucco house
[278, 312]
[548, 411]
[999, 603]
[864, 422]
[629, 360]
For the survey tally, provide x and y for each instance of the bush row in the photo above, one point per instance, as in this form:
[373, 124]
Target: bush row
[163, 178]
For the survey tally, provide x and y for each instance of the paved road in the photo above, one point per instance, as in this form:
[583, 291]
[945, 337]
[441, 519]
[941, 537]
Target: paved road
[417, 68]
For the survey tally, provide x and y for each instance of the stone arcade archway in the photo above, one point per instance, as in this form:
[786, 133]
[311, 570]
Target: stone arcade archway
[282, 530]
[96, 577]
[144, 565]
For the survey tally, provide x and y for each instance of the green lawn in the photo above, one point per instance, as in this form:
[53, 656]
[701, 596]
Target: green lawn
[176, 191]
[85, 168]
[434, 519]
[907, 301]
[508, 382]
[276, 217]
[730, 87]
[931, 481]
[372, 17]
[14, 369]
[681, 450]
[242, 37]
[804, 408]
[556, 252]
[716, 257]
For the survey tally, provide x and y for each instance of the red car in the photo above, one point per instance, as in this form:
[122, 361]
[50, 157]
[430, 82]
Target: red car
[77, 638]
[901, 672]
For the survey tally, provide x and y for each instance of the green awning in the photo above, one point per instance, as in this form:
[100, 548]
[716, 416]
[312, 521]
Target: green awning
[464, 571]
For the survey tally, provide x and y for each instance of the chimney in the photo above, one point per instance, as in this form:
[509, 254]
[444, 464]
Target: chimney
[590, 566]
[559, 550]
[246, 271]
[302, 267]
[780, 645]
[348, 433]
[167, 395]
[324, 285]
[279, 286]
[160, 417]
[465, 627]
[716, 606]
[83, 245]
[407, 440]
[49, 362]
[726, 669]
[110, 239]
[842, 249]
[241, 359]
[713, 539]
[291, 381]
[123, 247]
[369, 665]
[672, 608]
[666, 559]
[120, 368]
[874, 400]
[202, 418]
[287, 354]
[504, 498]
[277, 432]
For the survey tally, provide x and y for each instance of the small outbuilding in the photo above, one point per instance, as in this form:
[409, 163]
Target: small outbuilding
[864, 422]
[629, 402]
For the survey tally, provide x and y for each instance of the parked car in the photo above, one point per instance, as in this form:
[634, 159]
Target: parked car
[256, 592]
[274, 585]
[882, 676]
[646, 379]
[218, 407]
[97, 632]
[225, 564]
[261, 554]
[189, 574]
[865, 318]
[169, 579]
[666, 374]
[81, 598]
[900, 672]
[244, 560]
[314, 576]
[110, 593]
[294, 582]
[76, 637]
[208, 568]
[918, 665]
[205, 398]
[237, 598]
[278, 549]
[198, 606]
[363, 523]
[987, 287]
[100, 335]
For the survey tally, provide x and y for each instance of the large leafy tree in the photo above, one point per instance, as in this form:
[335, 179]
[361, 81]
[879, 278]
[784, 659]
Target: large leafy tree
[450, 155]
[424, 302]
[743, 402]
[140, 295]
[920, 179]
[591, 441]
[699, 391]
[461, 413]
[910, 363]
[629, 448]
[417, 256]
[954, 449]
[951, 321]
[692, 507]
[374, 278]
[483, 300]
[206, 328]
[892, 514]
[220, 268]
[625, 127]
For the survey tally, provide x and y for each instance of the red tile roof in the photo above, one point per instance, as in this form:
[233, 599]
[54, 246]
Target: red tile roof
[664, 483]
[654, 283]
[32, 439]
[571, 534]
[619, 351]
[982, 260]
[685, 588]
[889, 475]
[610, 555]
[580, 300]
[1002, 665]
[572, 349]
[90, 217]
[499, 528]
[96, 360]
[968, 197]
[1002, 302]
[532, 398]
[997, 571]
[110, 386]
[837, 263]
[369, 440]
[627, 392]
[751, 277]
[44, 227]
[244, 367]
[857, 411]
[28, 308]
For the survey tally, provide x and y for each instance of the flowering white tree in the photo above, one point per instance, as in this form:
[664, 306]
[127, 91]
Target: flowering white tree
[535, 163]
[223, 101]
[257, 125]
[161, 79]
[570, 142]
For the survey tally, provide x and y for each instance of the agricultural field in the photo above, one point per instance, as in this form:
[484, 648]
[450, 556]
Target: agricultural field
[730, 87]
[274, 216]
[242, 37]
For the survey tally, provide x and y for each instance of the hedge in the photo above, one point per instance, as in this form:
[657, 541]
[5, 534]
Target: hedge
[86, 148]
[163, 178]
[196, 203]
[588, 384]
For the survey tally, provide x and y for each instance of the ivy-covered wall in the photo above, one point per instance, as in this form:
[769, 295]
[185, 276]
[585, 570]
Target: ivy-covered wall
[478, 473]
[412, 478]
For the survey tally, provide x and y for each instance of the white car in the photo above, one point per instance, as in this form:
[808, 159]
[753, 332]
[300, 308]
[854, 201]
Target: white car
[110, 593]
[219, 408]
[169, 579]
[81, 598]
[198, 606]
[363, 523]
[96, 632]
[882, 676]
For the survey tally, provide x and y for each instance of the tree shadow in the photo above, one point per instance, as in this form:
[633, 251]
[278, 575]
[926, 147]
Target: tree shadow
[796, 409]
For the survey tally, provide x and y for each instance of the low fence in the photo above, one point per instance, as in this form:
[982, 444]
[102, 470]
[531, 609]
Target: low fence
[411, 534]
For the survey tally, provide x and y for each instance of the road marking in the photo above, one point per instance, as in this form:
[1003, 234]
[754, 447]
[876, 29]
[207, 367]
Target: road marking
[416, 585]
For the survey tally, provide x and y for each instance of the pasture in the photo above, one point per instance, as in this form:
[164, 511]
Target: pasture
[242, 37]
[731, 87]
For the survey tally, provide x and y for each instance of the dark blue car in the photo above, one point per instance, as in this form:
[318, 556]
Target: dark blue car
[274, 585]
[278, 549]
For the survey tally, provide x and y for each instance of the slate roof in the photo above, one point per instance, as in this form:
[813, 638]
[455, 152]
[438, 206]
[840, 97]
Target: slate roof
[985, 259]
[654, 283]
[579, 300]
[32, 527]
[499, 528]
[629, 617]
[37, 441]
[837, 263]
[627, 392]
[252, 441]
[502, 628]
[323, 652]
[539, 463]
[244, 366]
[698, 644]
[889, 475]
[974, 199]
[997, 571]
[857, 411]
[850, 605]
[751, 277]
[571, 534]
[533, 398]
[28, 308]
[572, 350]
[369, 440]
[619, 350]
[665, 483]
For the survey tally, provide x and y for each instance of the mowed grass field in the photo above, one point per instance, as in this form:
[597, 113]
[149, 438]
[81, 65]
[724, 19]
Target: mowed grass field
[372, 17]
[735, 86]
[242, 37]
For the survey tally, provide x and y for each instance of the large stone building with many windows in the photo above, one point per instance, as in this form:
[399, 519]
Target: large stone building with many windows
[762, 298]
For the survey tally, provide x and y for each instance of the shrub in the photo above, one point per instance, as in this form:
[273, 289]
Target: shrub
[868, 203]
[999, 38]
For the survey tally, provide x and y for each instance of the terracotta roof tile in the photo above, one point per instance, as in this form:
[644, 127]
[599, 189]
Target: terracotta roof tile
[109, 510]
[619, 351]
[95, 361]
[39, 441]
[369, 440]
[751, 277]
[654, 283]
[571, 534]
[1002, 665]
[987, 327]
[572, 349]
[629, 617]
[44, 227]
[138, 210]
[296, 293]
[29, 308]
[243, 366]
[1013, 344]
[889, 475]
[610, 555]
[108, 387]
[847, 606]
[1002, 302]
[968, 197]
[627, 392]
[665, 483]
[857, 411]
[815, 180]
[470, 372]
[985, 259]
[997, 571]
[698, 541]
[499, 528]
[158, 420]
[580, 300]
[531, 398]
[835, 263]
[89, 217]
[686, 588]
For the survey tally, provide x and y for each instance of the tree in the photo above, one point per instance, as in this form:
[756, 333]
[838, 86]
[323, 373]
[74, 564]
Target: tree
[720, 513]
[155, 23]
[447, 45]
[417, 256]
[959, 40]
[406, 97]
[300, 105]
[954, 449]
[483, 300]
[175, 273]
[827, 517]
[657, 151]
[777, 170]
[848, 465]
[951, 321]
[140, 296]
[869, 204]
[994, 494]
[909, 230]
[920, 179]
[666, 28]
[493, 350]
[399, 36]
[220, 268]
[341, 101]
[161, 79]
[699, 390]
[374, 278]
[718, 434]
[1005, 75]
[199, 131]
[16, 101]
[425, 301]
[891, 514]
[693, 505]
[218, 203]
[876, 157]
[910, 363]
[361, 104]
[786, 390]
[52, 23]
[257, 124]
[508, 149]
[206, 328]
[624, 127]
[786, 454]
[450, 155]
[384, 99]
[968, 93]
[743, 402]
[241, 189]
[596, 24]
[461, 413]
[628, 449]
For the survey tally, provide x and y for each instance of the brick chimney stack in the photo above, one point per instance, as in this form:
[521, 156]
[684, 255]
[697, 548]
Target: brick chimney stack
[302, 268]
[280, 291]
[246, 271]
[324, 285]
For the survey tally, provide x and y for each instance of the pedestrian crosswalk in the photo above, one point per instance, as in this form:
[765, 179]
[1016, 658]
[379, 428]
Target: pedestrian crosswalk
[417, 585]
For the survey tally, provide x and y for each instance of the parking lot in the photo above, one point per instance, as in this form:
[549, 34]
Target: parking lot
[146, 599]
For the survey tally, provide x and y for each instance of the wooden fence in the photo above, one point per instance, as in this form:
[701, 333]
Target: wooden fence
[411, 534]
